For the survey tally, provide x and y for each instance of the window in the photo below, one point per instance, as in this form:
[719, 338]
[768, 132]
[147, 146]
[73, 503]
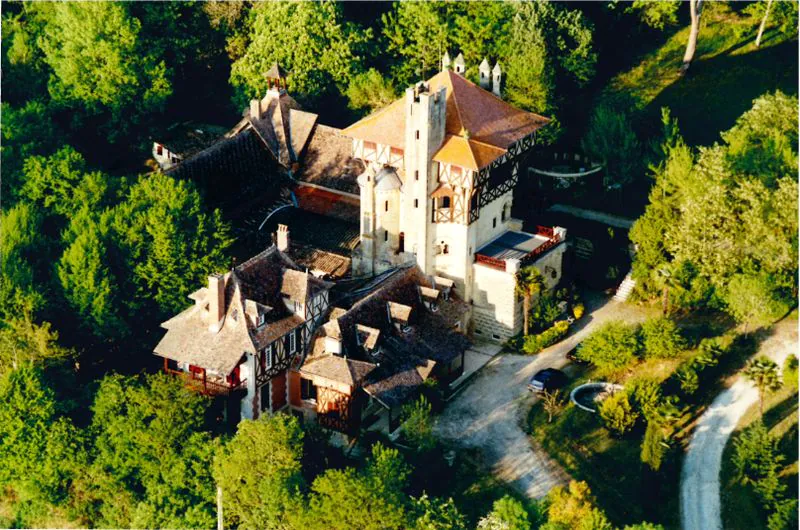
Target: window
[494, 222]
[416, 174]
[266, 357]
[293, 342]
[503, 215]
[445, 202]
[416, 203]
[307, 389]
[261, 319]
[386, 235]
[386, 206]
[417, 135]
[160, 149]
[265, 392]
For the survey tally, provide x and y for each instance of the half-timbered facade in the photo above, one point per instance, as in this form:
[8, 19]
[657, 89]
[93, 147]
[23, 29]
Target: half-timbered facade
[244, 332]
[441, 167]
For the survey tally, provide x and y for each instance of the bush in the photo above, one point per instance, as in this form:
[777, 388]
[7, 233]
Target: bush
[688, 377]
[507, 514]
[536, 343]
[617, 414]
[645, 394]
[757, 462]
[661, 338]
[544, 312]
[417, 425]
[654, 445]
[790, 372]
[611, 347]
[578, 311]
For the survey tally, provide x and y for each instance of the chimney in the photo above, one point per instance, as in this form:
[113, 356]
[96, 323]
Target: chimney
[216, 301]
[460, 66]
[283, 238]
[255, 109]
[445, 61]
[485, 74]
[497, 74]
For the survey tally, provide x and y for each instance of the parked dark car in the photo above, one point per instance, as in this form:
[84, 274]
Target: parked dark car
[547, 380]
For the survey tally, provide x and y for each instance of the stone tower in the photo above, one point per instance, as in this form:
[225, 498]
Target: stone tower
[485, 72]
[497, 75]
[460, 67]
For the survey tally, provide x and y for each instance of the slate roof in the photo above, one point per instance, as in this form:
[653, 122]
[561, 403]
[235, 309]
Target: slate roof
[492, 124]
[347, 371]
[255, 283]
[328, 161]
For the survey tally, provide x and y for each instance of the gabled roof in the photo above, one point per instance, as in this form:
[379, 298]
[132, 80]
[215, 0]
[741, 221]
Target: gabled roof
[493, 124]
[339, 369]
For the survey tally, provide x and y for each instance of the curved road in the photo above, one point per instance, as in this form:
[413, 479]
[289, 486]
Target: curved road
[489, 413]
[700, 488]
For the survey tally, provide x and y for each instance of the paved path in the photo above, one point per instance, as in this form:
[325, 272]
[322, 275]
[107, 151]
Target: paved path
[593, 215]
[490, 412]
[700, 489]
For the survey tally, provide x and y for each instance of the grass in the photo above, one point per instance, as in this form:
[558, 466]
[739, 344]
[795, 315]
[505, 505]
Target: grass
[740, 507]
[728, 72]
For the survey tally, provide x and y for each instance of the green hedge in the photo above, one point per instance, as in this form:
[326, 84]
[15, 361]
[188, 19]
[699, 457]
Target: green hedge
[536, 343]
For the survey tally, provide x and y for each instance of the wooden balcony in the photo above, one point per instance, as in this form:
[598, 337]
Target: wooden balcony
[209, 387]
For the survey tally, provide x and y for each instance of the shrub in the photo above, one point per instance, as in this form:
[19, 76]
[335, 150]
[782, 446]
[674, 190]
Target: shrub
[611, 347]
[574, 507]
[757, 462]
[544, 312]
[654, 446]
[645, 394]
[578, 311]
[507, 514]
[688, 377]
[536, 343]
[661, 338]
[617, 413]
[790, 372]
[417, 427]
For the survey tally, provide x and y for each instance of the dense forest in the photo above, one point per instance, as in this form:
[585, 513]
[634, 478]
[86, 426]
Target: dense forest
[97, 249]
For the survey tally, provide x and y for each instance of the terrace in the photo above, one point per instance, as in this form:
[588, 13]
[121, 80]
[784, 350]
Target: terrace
[207, 385]
[520, 246]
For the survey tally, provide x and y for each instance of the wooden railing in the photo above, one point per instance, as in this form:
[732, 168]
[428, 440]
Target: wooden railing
[209, 387]
[491, 262]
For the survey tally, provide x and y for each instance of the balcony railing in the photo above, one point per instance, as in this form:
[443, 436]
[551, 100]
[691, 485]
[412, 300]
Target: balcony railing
[209, 387]
[553, 239]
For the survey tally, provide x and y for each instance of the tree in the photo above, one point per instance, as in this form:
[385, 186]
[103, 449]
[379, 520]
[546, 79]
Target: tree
[763, 24]
[529, 76]
[763, 373]
[789, 373]
[259, 471]
[507, 514]
[417, 427]
[152, 456]
[608, 136]
[99, 64]
[661, 338]
[610, 348]
[435, 514]
[24, 342]
[573, 507]
[51, 181]
[370, 91]
[20, 245]
[757, 462]
[32, 423]
[617, 413]
[169, 242]
[553, 404]
[657, 15]
[530, 282]
[783, 15]
[752, 301]
[308, 39]
[372, 499]
[695, 10]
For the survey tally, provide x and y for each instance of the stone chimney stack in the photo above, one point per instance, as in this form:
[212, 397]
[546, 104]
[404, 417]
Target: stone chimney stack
[282, 241]
[445, 61]
[460, 65]
[255, 109]
[497, 75]
[485, 74]
[216, 302]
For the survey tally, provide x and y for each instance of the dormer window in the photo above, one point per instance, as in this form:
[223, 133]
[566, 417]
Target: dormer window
[262, 318]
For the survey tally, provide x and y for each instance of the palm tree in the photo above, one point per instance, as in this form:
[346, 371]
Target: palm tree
[763, 373]
[529, 283]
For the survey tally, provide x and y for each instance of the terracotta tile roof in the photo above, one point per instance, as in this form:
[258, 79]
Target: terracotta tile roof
[319, 261]
[282, 126]
[328, 161]
[339, 369]
[493, 125]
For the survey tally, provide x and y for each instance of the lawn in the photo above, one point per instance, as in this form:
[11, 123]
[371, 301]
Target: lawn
[627, 490]
[727, 74]
[740, 507]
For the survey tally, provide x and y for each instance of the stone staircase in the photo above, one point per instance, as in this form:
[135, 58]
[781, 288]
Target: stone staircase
[583, 248]
[625, 288]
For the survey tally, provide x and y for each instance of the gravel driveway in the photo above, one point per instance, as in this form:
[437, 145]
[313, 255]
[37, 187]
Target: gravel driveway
[700, 489]
[490, 412]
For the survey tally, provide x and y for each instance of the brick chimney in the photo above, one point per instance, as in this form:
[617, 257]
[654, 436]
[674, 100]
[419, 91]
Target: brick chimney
[216, 302]
[282, 239]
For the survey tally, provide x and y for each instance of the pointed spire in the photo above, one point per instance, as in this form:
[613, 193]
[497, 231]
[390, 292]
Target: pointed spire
[485, 74]
[497, 70]
[497, 76]
[445, 61]
[460, 66]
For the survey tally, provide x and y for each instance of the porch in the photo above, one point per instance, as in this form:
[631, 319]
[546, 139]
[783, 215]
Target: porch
[199, 381]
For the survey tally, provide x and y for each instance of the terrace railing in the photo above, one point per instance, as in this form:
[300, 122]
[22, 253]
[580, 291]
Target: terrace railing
[553, 239]
[210, 387]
